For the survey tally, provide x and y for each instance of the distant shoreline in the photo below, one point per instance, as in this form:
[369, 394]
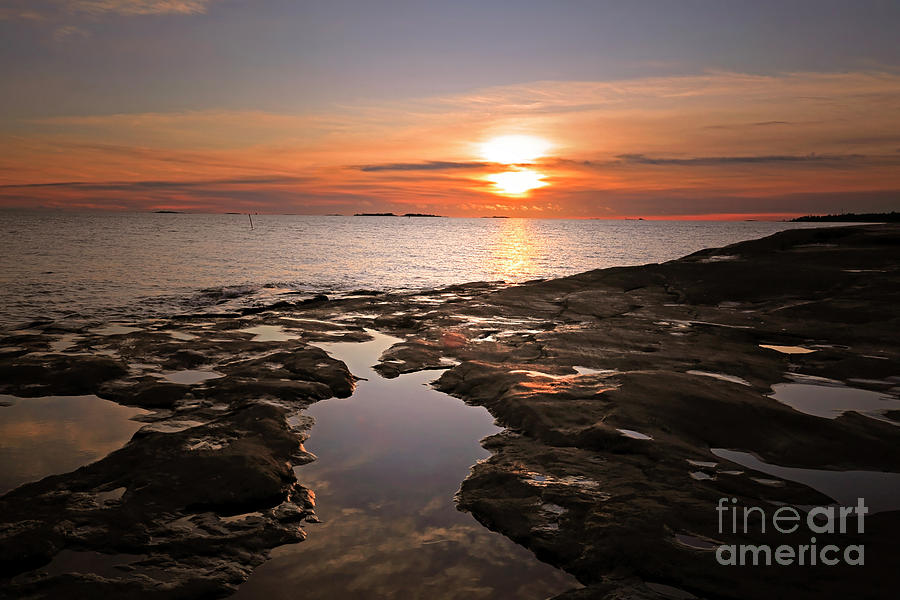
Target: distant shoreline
[390, 214]
[891, 217]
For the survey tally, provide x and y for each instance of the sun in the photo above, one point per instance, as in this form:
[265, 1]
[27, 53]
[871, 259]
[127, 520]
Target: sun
[515, 183]
[514, 149]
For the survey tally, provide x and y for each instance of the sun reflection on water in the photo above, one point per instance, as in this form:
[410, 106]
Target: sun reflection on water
[513, 249]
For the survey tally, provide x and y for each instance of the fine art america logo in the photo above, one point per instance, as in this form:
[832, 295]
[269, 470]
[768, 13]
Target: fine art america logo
[820, 520]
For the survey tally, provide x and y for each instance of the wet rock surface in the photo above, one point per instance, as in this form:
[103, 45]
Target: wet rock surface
[624, 499]
[200, 494]
[613, 386]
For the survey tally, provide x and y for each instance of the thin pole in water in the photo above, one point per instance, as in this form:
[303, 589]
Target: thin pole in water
[251, 220]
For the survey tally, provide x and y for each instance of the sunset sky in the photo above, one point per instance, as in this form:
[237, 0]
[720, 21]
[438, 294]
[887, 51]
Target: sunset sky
[712, 109]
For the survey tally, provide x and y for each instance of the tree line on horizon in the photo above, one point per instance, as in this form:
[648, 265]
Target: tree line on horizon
[891, 217]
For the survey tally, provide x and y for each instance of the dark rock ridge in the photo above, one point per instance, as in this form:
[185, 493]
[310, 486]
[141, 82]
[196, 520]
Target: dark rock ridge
[566, 365]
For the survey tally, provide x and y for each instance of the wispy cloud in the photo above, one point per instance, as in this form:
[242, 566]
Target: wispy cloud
[756, 124]
[19, 10]
[54, 10]
[432, 165]
[137, 7]
[706, 161]
[68, 32]
[158, 184]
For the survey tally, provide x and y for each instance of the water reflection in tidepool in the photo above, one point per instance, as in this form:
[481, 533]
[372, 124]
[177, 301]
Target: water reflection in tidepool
[58, 434]
[787, 349]
[832, 399]
[391, 458]
[880, 489]
[269, 333]
[190, 376]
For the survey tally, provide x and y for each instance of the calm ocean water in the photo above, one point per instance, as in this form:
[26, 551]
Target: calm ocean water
[118, 266]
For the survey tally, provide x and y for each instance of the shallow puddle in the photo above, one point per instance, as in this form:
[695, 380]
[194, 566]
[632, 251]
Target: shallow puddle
[635, 435]
[579, 372]
[58, 434]
[113, 495]
[881, 490]
[88, 562]
[590, 371]
[270, 333]
[719, 258]
[190, 376]
[303, 320]
[720, 376]
[531, 373]
[182, 336]
[832, 400]
[64, 342]
[172, 426]
[787, 349]
[390, 459]
[695, 542]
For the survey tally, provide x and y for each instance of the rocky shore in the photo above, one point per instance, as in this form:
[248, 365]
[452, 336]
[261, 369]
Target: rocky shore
[615, 387]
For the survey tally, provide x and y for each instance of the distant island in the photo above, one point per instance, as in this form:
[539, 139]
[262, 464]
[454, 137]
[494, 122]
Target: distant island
[169, 212]
[496, 217]
[390, 214]
[891, 217]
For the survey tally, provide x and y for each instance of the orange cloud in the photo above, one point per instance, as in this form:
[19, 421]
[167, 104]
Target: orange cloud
[718, 143]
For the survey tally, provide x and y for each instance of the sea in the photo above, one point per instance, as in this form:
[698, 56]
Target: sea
[124, 266]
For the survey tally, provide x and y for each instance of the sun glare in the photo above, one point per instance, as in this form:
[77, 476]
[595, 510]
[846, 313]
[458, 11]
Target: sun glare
[514, 149]
[514, 183]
